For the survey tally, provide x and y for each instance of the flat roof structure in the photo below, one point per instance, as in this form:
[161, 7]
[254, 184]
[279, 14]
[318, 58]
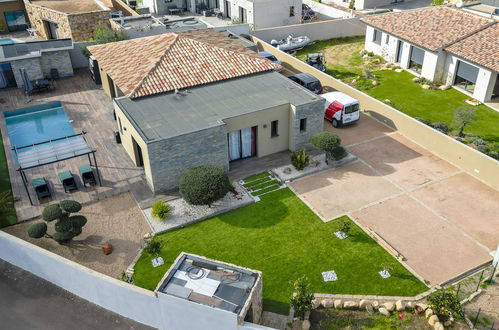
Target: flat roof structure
[74, 7]
[213, 283]
[172, 114]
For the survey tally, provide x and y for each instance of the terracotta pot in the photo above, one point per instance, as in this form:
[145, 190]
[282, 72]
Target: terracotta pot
[107, 248]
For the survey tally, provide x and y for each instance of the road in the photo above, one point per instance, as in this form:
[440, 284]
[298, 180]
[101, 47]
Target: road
[30, 302]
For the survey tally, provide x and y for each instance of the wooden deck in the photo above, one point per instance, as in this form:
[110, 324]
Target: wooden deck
[91, 110]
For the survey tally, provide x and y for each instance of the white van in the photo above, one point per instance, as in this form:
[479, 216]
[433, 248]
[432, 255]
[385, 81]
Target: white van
[341, 109]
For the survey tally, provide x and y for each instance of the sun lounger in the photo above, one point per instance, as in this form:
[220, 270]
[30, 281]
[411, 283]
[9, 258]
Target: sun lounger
[68, 181]
[87, 175]
[41, 188]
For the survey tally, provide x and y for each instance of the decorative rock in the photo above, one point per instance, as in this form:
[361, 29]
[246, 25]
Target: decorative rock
[389, 306]
[148, 235]
[444, 87]
[438, 326]
[338, 303]
[409, 305]
[316, 303]
[428, 313]
[375, 83]
[426, 86]
[449, 322]
[432, 320]
[327, 303]
[364, 303]
[398, 70]
[399, 306]
[420, 308]
[384, 311]
[350, 305]
[387, 101]
[287, 170]
[375, 304]
[305, 325]
[416, 79]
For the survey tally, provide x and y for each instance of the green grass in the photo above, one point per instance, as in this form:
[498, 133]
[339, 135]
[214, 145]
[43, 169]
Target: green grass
[257, 182]
[432, 105]
[9, 218]
[266, 190]
[256, 176]
[265, 184]
[284, 239]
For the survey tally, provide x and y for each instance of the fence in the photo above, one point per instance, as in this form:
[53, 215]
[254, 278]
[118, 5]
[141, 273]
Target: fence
[468, 159]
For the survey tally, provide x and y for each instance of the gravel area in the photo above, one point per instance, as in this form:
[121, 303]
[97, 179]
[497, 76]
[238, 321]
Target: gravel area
[289, 173]
[116, 220]
[183, 214]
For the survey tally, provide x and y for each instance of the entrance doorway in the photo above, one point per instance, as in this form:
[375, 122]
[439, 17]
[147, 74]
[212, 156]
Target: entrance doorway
[7, 78]
[495, 91]
[137, 150]
[242, 143]
[227, 8]
[52, 30]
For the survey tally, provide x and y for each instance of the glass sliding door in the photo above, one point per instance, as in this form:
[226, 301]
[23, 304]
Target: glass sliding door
[242, 143]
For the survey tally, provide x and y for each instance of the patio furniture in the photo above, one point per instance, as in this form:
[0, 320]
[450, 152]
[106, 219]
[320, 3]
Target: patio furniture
[68, 181]
[32, 33]
[173, 9]
[54, 73]
[41, 188]
[87, 175]
[41, 85]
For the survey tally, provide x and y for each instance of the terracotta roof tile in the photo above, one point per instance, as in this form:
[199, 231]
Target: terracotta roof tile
[481, 48]
[163, 63]
[432, 28]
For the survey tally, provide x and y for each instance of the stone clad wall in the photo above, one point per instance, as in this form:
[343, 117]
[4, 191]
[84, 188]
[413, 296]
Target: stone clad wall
[38, 14]
[32, 66]
[83, 25]
[171, 158]
[314, 113]
[59, 60]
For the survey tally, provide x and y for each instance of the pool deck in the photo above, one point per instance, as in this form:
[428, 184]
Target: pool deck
[92, 111]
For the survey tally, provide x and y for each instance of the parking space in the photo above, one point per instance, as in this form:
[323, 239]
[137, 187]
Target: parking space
[442, 220]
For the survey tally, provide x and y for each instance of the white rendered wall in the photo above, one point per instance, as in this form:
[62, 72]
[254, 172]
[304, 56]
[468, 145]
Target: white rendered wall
[328, 11]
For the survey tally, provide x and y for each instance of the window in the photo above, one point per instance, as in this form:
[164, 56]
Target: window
[351, 109]
[16, 21]
[398, 55]
[274, 126]
[119, 124]
[291, 11]
[416, 59]
[387, 40]
[377, 37]
[466, 76]
[303, 125]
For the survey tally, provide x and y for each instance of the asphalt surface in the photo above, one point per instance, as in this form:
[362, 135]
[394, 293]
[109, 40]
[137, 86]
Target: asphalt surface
[30, 302]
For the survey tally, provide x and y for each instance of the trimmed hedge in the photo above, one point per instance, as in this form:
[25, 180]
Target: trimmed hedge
[204, 185]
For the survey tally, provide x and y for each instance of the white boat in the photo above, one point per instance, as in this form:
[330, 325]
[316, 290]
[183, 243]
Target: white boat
[291, 43]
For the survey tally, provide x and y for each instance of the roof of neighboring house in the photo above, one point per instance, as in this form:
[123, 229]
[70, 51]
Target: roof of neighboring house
[431, 28]
[73, 6]
[481, 48]
[162, 63]
[168, 115]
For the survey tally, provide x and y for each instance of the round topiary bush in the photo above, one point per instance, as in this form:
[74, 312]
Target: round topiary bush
[78, 220]
[37, 230]
[329, 142]
[70, 206]
[52, 212]
[339, 153]
[204, 185]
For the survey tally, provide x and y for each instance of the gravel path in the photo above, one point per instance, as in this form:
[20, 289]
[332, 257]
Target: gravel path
[116, 220]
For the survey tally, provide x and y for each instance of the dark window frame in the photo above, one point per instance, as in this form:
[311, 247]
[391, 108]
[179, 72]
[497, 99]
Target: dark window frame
[274, 128]
[377, 33]
[291, 11]
[303, 125]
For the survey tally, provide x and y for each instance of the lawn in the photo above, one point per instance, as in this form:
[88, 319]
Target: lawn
[10, 218]
[284, 239]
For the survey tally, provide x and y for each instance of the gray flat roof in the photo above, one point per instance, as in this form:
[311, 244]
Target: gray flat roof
[167, 115]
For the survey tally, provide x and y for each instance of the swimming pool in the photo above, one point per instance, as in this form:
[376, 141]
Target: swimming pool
[35, 124]
[7, 41]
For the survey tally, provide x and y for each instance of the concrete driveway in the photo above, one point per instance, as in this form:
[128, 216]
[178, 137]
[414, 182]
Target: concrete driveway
[442, 220]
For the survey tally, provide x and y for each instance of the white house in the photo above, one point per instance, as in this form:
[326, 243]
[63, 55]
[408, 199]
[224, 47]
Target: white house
[443, 44]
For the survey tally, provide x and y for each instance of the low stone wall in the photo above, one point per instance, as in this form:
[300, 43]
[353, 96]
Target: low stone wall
[83, 25]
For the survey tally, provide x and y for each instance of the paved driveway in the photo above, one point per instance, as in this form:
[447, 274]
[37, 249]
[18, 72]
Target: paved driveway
[442, 220]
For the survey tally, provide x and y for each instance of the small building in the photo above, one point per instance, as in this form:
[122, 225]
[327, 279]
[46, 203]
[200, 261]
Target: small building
[443, 44]
[200, 98]
[38, 58]
[78, 20]
[201, 293]
[12, 16]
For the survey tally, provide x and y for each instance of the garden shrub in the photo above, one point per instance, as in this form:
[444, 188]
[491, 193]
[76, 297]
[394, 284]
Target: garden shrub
[328, 142]
[339, 153]
[345, 227]
[204, 185]
[302, 301]
[160, 210]
[422, 120]
[462, 117]
[66, 228]
[300, 159]
[439, 126]
[445, 304]
[153, 248]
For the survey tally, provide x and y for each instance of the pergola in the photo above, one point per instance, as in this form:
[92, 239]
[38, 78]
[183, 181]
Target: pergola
[47, 152]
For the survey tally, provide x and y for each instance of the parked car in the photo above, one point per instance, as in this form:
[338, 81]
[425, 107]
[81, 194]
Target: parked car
[308, 81]
[272, 58]
[341, 109]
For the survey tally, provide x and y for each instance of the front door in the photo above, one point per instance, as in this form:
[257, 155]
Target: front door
[137, 150]
[495, 91]
[242, 143]
[227, 8]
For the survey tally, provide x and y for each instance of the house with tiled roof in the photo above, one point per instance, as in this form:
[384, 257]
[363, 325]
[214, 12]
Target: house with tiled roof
[446, 44]
[195, 98]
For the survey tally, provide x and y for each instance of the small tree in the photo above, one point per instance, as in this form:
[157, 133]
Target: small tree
[153, 247]
[345, 227]
[330, 143]
[300, 159]
[67, 226]
[462, 117]
[445, 304]
[302, 301]
[103, 35]
[204, 185]
[160, 210]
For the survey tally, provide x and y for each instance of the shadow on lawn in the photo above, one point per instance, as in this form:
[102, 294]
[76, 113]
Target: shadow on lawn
[275, 306]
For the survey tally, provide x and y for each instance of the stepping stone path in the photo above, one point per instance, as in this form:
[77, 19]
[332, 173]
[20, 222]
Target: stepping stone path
[261, 184]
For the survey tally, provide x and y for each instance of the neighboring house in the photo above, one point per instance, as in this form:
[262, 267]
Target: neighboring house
[12, 16]
[78, 20]
[37, 57]
[201, 293]
[201, 98]
[443, 44]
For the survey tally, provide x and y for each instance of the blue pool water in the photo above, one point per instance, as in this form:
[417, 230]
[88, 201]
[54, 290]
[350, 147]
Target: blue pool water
[37, 124]
[7, 41]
